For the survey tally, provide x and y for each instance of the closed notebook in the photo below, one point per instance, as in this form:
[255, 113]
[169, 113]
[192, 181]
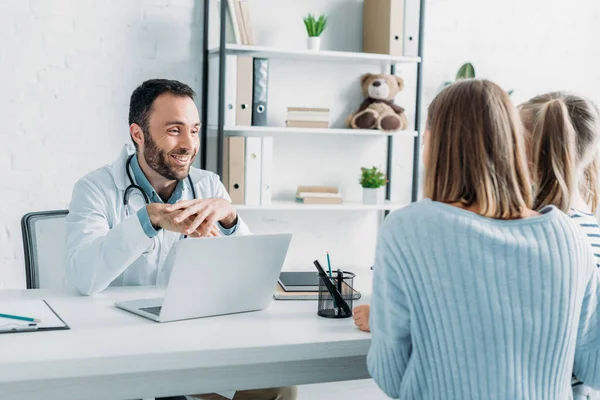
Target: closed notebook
[281, 294]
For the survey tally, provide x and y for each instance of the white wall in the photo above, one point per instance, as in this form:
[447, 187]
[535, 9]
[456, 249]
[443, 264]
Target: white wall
[68, 68]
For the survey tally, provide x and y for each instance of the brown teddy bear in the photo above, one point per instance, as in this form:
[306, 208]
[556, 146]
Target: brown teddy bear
[378, 111]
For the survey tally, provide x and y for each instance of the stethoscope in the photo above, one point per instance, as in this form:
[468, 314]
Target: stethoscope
[132, 187]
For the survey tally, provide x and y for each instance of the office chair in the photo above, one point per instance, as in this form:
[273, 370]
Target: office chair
[44, 247]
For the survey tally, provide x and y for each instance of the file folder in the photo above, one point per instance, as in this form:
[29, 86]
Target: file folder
[243, 112]
[266, 170]
[253, 173]
[236, 161]
[260, 88]
[383, 26]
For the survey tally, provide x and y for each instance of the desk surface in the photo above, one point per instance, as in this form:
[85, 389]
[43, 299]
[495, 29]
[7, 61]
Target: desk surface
[111, 353]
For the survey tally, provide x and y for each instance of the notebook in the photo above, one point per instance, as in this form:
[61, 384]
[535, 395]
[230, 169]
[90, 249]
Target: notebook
[281, 294]
[38, 309]
[298, 281]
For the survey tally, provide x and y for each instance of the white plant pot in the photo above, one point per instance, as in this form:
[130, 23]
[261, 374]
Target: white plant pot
[313, 42]
[373, 196]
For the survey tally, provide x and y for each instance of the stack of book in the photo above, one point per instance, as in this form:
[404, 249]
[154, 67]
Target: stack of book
[305, 117]
[318, 195]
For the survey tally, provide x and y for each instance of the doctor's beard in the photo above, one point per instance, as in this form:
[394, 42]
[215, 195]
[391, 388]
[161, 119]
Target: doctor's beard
[159, 160]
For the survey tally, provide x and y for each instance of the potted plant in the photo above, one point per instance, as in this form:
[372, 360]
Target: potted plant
[372, 181]
[466, 71]
[314, 28]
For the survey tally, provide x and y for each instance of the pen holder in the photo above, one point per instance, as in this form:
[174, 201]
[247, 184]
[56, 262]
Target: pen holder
[327, 306]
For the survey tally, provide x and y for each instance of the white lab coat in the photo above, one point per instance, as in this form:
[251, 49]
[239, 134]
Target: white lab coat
[107, 248]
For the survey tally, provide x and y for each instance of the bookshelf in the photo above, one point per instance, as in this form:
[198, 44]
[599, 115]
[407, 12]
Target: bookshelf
[322, 55]
[252, 131]
[387, 63]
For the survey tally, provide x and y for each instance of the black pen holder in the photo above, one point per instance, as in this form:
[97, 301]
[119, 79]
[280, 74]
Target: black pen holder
[328, 306]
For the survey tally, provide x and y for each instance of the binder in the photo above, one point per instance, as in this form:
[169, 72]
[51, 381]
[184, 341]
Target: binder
[225, 176]
[266, 170]
[259, 91]
[243, 111]
[230, 90]
[236, 161]
[412, 11]
[383, 26]
[253, 174]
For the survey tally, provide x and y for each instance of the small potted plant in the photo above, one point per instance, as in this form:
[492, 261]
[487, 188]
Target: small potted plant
[372, 181]
[314, 28]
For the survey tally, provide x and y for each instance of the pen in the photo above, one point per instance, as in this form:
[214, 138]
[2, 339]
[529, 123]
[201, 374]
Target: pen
[340, 277]
[18, 328]
[329, 265]
[18, 317]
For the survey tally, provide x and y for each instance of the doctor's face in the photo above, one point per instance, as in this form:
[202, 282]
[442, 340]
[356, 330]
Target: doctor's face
[172, 140]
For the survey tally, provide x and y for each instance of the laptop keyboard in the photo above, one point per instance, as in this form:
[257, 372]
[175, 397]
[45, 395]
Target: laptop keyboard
[152, 310]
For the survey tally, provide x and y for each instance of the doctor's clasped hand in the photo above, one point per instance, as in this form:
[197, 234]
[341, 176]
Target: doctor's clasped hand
[205, 214]
[163, 217]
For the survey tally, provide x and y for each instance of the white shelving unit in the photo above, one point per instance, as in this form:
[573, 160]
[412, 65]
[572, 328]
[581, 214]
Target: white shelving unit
[323, 55]
[284, 131]
[292, 205]
[387, 63]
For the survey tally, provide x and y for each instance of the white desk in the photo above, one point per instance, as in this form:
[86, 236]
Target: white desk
[113, 354]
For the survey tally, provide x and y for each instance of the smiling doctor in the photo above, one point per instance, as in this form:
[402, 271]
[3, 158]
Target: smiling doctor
[124, 218]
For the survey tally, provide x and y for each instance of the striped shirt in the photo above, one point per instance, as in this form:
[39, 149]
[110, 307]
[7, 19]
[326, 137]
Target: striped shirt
[589, 225]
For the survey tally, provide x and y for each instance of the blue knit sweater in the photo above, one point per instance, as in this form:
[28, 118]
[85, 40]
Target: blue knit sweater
[467, 307]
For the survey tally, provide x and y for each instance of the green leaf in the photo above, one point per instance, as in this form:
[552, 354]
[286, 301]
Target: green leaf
[321, 23]
[314, 27]
[372, 178]
[466, 71]
[510, 92]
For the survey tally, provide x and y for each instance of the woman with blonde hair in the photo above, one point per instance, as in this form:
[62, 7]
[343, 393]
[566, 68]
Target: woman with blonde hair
[562, 132]
[475, 295]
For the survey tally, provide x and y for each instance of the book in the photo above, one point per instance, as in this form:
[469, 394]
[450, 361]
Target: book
[281, 294]
[306, 124]
[318, 195]
[299, 281]
[247, 21]
[234, 19]
[307, 118]
[308, 109]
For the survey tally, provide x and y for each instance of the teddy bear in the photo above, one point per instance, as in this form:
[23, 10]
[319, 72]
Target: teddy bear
[378, 110]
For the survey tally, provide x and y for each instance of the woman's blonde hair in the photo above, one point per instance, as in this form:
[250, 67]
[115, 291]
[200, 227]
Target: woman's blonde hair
[563, 137]
[476, 153]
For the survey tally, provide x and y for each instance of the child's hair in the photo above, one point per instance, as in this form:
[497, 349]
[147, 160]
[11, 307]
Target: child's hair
[563, 137]
[476, 150]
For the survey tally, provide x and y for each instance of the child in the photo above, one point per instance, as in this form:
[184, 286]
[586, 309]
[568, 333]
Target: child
[562, 134]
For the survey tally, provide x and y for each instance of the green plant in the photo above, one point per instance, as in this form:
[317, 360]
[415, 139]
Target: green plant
[372, 178]
[314, 27]
[466, 71]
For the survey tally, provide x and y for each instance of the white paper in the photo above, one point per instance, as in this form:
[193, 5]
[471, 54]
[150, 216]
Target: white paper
[32, 309]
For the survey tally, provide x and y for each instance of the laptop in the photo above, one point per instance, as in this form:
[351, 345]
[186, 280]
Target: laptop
[217, 276]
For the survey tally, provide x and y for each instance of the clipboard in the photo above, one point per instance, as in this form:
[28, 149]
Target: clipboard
[34, 308]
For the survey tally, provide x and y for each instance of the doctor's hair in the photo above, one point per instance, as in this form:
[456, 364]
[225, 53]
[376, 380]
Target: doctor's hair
[562, 136]
[475, 151]
[142, 98]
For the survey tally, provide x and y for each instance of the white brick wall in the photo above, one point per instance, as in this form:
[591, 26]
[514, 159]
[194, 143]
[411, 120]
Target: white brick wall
[67, 69]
